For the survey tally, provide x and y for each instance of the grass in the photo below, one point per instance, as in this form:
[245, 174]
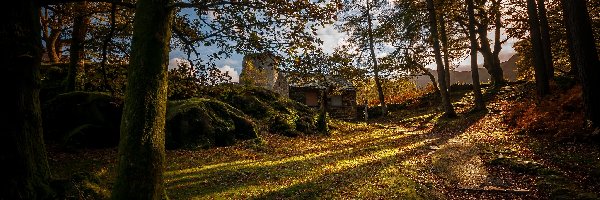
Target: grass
[412, 154]
[343, 164]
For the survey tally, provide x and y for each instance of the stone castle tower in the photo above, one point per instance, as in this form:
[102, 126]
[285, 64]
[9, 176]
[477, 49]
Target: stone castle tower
[261, 69]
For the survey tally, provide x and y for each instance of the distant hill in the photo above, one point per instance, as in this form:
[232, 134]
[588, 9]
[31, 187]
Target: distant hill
[508, 67]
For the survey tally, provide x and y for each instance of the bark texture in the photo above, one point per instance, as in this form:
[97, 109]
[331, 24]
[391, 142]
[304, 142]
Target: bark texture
[479, 104]
[545, 34]
[586, 56]
[444, 37]
[77, 51]
[491, 60]
[52, 47]
[22, 152]
[142, 145]
[541, 75]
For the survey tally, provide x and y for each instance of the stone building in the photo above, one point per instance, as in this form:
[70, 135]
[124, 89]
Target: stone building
[341, 96]
[261, 69]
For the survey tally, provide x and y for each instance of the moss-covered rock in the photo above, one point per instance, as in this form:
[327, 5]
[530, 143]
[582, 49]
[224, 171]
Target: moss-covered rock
[202, 123]
[83, 119]
[53, 77]
[280, 115]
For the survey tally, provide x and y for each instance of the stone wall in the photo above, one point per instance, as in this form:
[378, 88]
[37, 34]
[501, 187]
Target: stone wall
[281, 86]
[347, 109]
[261, 70]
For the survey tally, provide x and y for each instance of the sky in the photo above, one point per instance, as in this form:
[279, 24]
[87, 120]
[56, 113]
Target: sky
[331, 38]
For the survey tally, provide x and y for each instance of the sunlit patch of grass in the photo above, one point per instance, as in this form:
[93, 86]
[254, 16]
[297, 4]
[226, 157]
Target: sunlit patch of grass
[389, 183]
[419, 120]
[302, 167]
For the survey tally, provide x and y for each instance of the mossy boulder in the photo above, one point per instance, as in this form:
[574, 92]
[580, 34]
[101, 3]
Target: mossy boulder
[83, 119]
[202, 123]
[53, 77]
[281, 115]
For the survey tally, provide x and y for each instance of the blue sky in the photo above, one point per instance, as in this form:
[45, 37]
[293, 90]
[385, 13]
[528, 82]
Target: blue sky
[331, 39]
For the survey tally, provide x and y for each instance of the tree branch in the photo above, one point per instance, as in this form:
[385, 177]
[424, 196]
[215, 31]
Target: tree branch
[210, 5]
[116, 2]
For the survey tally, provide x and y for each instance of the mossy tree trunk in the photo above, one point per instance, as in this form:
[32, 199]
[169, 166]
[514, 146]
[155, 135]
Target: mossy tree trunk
[446, 105]
[142, 143]
[541, 75]
[22, 152]
[77, 50]
[479, 104]
[585, 55]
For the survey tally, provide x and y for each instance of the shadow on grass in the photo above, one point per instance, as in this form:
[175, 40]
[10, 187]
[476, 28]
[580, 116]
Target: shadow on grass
[363, 180]
[347, 166]
[368, 168]
[231, 177]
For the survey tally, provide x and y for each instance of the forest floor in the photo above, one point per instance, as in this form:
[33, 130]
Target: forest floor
[411, 154]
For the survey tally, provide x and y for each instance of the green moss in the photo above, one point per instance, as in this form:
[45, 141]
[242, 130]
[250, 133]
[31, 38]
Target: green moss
[284, 124]
[279, 114]
[202, 123]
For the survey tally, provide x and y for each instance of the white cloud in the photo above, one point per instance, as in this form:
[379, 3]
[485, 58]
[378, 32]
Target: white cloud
[232, 62]
[235, 77]
[331, 37]
[173, 63]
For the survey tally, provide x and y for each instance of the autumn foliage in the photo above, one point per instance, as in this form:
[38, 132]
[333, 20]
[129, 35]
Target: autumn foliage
[560, 115]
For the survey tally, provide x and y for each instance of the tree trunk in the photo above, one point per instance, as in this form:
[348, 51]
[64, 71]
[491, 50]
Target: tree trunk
[448, 109]
[586, 55]
[573, 72]
[142, 143]
[105, 45]
[425, 72]
[51, 45]
[479, 104]
[573, 68]
[491, 62]
[375, 66]
[323, 106]
[541, 77]
[497, 70]
[76, 52]
[444, 38]
[431, 77]
[23, 155]
[545, 34]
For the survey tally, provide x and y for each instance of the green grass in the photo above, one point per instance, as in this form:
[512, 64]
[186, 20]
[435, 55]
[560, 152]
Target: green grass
[364, 164]
[412, 154]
